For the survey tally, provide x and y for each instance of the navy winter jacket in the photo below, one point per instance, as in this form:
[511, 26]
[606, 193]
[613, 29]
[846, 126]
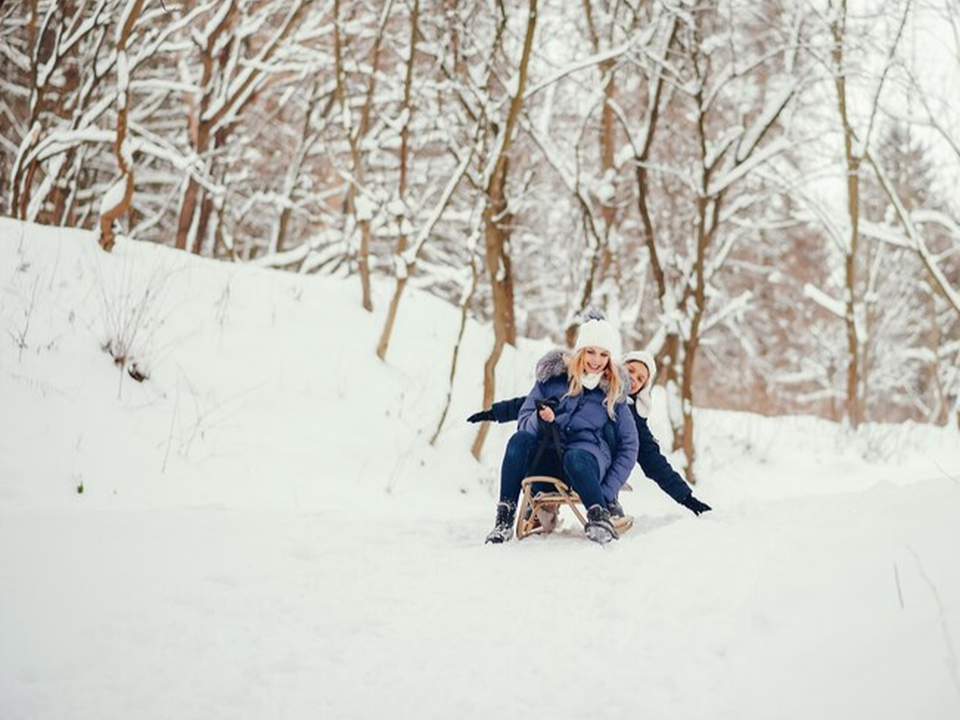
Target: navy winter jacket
[581, 421]
[507, 410]
[655, 466]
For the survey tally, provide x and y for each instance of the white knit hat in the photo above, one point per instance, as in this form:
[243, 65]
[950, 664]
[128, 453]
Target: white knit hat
[643, 397]
[597, 332]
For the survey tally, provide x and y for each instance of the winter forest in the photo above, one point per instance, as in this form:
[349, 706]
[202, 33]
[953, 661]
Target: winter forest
[762, 194]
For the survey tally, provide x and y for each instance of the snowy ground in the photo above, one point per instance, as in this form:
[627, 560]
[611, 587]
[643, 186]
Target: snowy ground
[264, 531]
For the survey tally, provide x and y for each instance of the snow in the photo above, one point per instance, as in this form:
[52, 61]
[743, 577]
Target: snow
[396, 207]
[835, 307]
[400, 268]
[365, 207]
[588, 62]
[265, 531]
[605, 191]
[113, 197]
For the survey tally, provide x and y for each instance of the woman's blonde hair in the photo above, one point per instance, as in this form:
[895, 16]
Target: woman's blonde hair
[576, 365]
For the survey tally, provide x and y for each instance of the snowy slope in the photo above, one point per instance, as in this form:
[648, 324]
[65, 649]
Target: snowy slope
[264, 532]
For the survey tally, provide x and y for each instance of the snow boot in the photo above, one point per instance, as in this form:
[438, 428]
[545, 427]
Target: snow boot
[503, 529]
[599, 528]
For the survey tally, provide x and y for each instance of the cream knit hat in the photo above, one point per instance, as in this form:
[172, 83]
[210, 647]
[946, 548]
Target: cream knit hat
[643, 397]
[597, 332]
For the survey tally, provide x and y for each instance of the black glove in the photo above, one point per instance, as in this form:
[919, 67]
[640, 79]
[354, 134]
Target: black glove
[695, 506]
[615, 508]
[481, 416]
[551, 403]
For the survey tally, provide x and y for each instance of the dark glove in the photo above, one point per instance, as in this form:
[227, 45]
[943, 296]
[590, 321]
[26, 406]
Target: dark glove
[551, 403]
[695, 506]
[615, 508]
[481, 416]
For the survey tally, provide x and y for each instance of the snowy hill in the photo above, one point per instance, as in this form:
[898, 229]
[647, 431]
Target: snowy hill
[264, 531]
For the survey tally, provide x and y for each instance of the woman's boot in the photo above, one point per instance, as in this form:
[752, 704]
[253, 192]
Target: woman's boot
[503, 529]
[599, 528]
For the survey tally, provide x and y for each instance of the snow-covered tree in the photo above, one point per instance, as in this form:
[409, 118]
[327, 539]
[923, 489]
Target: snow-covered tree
[763, 194]
[732, 85]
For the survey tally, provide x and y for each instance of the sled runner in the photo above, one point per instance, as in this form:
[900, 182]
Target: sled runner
[538, 510]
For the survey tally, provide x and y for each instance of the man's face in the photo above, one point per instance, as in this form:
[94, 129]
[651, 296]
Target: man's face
[639, 374]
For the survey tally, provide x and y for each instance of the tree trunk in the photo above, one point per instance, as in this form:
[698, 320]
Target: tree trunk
[602, 260]
[114, 213]
[852, 408]
[694, 303]
[853, 405]
[686, 399]
[187, 207]
[608, 209]
[496, 235]
[501, 282]
[402, 267]
[355, 138]
[465, 300]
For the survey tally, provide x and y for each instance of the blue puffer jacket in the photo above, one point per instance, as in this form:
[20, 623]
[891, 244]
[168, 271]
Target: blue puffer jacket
[581, 420]
[655, 465]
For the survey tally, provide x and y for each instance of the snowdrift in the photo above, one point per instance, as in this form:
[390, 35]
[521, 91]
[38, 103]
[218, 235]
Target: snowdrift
[259, 528]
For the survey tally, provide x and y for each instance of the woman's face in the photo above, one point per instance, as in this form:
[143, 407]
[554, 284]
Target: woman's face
[639, 374]
[595, 359]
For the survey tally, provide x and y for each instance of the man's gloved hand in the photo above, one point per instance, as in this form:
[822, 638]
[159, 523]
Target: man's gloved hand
[615, 508]
[695, 506]
[481, 416]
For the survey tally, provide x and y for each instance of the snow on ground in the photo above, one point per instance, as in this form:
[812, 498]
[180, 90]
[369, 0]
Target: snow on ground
[263, 530]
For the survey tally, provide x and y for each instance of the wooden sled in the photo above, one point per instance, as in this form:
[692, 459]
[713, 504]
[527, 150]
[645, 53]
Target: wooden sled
[533, 507]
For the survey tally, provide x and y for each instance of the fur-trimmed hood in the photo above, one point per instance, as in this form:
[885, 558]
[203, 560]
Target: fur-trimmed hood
[553, 365]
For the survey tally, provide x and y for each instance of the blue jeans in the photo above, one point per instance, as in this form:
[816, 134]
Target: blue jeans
[580, 469]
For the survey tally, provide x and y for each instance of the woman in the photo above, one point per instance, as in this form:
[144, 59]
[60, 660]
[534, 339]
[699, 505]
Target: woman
[579, 393]
[642, 369]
